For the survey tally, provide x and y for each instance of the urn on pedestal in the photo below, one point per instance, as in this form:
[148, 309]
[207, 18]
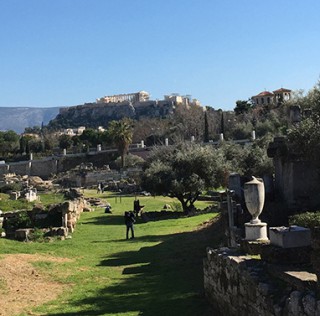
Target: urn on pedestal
[254, 194]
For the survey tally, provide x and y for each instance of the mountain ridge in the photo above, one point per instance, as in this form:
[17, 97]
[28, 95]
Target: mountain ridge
[18, 118]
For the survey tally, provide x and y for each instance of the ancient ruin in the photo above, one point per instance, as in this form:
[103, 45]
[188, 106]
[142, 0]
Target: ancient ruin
[279, 277]
[57, 220]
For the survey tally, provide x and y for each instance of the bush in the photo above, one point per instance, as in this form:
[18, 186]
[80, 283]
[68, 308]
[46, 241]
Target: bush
[131, 161]
[308, 219]
[22, 220]
[37, 235]
[11, 187]
[242, 131]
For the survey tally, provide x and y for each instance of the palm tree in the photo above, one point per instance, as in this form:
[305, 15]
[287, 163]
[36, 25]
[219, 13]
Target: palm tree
[121, 133]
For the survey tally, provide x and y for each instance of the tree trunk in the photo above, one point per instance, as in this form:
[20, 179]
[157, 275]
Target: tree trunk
[122, 160]
[183, 203]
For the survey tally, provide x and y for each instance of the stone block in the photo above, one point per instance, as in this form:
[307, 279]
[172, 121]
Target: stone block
[23, 233]
[290, 237]
[309, 304]
[301, 280]
[253, 247]
[279, 255]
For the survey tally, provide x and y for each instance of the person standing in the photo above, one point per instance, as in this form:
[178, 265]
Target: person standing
[129, 219]
[136, 207]
[99, 188]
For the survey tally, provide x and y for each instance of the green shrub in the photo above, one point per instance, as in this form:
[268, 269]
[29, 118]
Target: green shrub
[11, 187]
[37, 235]
[22, 220]
[308, 219]
[131, 161]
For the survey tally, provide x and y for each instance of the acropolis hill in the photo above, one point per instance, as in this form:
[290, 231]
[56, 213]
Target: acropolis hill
[115, 107]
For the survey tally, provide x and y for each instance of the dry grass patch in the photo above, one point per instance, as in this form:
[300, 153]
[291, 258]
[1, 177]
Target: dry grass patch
[23, 286]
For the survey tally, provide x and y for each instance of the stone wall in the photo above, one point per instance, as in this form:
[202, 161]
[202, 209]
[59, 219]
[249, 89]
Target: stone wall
[297, 180]
[71, 211]
[241, 285]
[44, 168]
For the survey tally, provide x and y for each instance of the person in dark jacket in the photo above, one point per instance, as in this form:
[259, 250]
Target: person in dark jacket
[129, 220]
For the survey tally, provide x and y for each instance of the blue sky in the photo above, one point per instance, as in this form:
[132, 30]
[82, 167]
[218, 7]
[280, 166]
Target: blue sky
[67, 52]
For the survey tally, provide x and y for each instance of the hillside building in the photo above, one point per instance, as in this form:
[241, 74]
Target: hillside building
[74, 131]
[276, 97]
[177, 99]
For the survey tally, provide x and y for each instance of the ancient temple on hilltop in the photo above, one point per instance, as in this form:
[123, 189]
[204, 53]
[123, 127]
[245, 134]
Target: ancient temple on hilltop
[140, 96]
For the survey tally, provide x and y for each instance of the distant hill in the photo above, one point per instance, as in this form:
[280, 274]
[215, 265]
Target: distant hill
[18, 118]
[100, 114]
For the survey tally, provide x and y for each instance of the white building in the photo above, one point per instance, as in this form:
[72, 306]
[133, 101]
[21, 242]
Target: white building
[179, 99]
[272, 98]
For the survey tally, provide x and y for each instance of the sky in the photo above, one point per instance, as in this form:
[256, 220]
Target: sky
[69, 52]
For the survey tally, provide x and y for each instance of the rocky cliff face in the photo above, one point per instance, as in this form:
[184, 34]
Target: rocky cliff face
[89, 115]
[95, 114]
[18, 118]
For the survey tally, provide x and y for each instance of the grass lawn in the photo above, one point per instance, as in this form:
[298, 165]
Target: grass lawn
[157, 273]
[6, 204]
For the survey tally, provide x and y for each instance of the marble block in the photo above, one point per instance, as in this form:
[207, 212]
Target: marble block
[290, 237]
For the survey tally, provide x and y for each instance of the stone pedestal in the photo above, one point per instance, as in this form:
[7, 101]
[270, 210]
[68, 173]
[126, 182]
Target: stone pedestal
[256, 231]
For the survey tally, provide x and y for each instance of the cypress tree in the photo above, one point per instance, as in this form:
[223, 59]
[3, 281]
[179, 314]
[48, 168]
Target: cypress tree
[206, 128]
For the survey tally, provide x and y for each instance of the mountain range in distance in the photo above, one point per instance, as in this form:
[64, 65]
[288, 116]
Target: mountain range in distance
[18, 118]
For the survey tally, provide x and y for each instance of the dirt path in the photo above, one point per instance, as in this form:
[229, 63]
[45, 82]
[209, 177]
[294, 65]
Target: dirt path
[22, 287]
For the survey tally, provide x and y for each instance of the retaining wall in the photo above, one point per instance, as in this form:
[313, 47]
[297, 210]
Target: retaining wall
[241, 285]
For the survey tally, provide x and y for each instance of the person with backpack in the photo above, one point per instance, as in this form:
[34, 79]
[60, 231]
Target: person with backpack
[129, 220]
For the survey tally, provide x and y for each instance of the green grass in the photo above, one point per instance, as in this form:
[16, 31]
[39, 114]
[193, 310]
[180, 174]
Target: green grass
[51, 198]
[157, 273]
[7, 205]
[151, 203]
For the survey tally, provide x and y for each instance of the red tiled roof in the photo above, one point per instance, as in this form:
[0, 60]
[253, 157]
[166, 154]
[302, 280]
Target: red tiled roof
[264, 94]
[281, 90]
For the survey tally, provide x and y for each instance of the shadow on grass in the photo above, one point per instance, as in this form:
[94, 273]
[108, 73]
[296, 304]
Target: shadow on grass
[110, 219]
[106, 219]
[165, 279]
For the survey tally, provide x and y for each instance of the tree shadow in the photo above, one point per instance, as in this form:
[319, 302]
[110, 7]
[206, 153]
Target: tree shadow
[106, 219]
[165, 279]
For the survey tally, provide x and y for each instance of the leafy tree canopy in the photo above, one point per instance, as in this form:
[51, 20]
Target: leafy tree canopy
[242, 107]
[183, 171]
[65, 141]
[304, 138]
[91, 136]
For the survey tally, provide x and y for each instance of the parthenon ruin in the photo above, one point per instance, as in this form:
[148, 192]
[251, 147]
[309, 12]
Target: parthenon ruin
[131, 97]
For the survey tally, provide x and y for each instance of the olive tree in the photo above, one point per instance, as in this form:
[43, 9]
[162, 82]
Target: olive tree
[9, 142]
[304, 138]
[183, 171]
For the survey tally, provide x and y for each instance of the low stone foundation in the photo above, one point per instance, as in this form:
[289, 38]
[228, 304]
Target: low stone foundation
[58, 220]
[240, 285]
